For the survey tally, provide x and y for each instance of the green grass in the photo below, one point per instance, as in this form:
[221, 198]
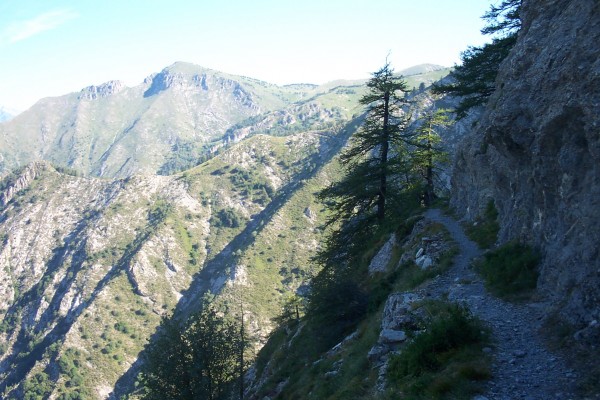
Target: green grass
[484, 231]
[445, 361]
[300, 360]
[510, 271]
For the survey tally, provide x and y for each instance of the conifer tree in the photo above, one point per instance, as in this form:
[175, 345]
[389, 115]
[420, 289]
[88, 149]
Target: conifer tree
[428, 154]
[369, 165]
[359, 201]
[201, 359]
[474, 79]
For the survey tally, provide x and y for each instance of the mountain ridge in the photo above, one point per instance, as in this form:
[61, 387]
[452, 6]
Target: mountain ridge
[173, 119]
[125, 251]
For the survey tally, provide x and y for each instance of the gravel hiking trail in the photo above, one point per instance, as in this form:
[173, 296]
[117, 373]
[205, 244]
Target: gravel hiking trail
[523, 367]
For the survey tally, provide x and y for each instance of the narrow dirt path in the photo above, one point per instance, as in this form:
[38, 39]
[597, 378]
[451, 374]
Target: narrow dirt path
[523, 367]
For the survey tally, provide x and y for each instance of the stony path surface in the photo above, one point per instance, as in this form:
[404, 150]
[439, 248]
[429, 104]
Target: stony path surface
[523, 367]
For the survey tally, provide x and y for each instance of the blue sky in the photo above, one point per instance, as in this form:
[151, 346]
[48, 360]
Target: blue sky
[50, 48]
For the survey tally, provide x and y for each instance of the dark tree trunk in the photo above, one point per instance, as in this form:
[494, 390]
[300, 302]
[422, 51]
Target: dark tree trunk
[383, 158]
[429, 195]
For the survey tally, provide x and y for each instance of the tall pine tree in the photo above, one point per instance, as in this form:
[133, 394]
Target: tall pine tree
[427, 154]
[367, 161]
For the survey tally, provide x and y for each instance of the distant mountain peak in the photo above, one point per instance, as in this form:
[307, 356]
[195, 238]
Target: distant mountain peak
[187, 69]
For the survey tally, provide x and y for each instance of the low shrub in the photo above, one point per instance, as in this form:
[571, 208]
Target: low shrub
[484, 231]
[510, 270]
[445, 359]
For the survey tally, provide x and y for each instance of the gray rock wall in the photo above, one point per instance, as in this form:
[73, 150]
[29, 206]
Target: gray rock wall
[536, 150]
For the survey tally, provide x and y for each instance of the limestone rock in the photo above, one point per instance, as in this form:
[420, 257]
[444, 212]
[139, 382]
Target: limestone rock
[310, 214]
[424, 262]
[419, 253]
[397, 312]
[106, 89]
[392, 336]
[376, 352]
[536, 151]
[381, 260]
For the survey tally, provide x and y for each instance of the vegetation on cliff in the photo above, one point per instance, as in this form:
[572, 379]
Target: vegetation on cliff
[474, 80]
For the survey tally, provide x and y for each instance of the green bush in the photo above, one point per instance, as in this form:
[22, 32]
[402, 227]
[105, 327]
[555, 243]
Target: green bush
[510, 270]
[250, 183]
[39, 386]
[122, 327]
[227, 218]
[446, 358]
[485, 230]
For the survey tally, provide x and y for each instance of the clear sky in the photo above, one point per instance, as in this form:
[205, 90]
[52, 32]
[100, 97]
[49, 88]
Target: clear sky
[50, 48]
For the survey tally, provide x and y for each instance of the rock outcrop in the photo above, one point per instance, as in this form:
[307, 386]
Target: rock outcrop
[380, 262]
[106, 89]
[536, 151]
[20, 180]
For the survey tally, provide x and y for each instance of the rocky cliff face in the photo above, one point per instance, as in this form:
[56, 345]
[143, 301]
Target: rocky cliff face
[536, 151]
[106, 89]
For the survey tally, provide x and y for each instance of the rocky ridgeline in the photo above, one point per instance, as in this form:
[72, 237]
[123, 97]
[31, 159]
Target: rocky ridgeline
[70, 246]
[536, 151]
[111, 130]
[20, 181]
[290, 119]
[106, 89]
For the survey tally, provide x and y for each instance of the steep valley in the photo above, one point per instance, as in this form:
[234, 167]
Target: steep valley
[90, 265]
[97, 248]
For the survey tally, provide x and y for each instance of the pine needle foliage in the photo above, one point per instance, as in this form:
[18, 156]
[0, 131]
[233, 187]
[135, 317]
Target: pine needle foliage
[370, 166]
[428, 154]
[199, 359]
[475, 79]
